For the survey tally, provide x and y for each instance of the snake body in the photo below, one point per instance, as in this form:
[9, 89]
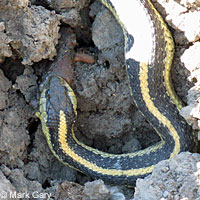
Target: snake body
[148, 69]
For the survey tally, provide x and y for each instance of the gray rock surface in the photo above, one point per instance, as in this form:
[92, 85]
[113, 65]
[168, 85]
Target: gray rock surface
[32, 32]
[6, 188]
[191, 60]
[176, 179]
[97, 190]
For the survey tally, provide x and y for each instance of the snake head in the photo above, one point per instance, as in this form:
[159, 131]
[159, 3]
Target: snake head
[56, 96]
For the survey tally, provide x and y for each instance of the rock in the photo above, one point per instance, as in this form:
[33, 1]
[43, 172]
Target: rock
[31, 31]
[13, 124]
[62, 5]
[5, 85]
[5, 50]
[181, 19]
[191, 61]
[27, 84]
[178, 178]
[21, 183]
[69, 190]
[7, 190]
[96, 190]
[71, 17]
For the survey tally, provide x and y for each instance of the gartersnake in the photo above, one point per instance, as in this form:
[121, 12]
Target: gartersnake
[148, 69]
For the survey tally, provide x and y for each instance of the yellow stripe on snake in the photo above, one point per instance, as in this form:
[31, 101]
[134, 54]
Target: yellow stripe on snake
[148, 63]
